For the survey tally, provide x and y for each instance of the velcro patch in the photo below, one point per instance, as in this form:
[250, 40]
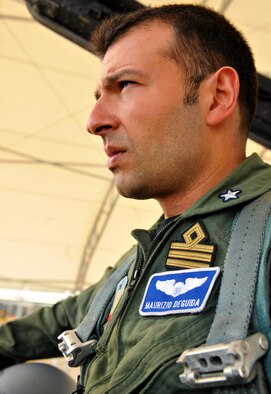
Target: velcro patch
[182, 291]
[118, 294]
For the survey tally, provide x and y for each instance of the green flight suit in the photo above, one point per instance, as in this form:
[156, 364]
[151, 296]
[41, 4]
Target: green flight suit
[135, 353]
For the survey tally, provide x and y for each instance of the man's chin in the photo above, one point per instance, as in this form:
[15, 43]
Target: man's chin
[132, 191]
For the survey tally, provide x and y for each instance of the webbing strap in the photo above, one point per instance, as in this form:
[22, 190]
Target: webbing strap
[101, 299]
[262, 320]
[252, 388]
[237, 292]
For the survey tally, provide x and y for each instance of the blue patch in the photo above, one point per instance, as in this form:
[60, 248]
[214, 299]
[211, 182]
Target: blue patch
[182, 291]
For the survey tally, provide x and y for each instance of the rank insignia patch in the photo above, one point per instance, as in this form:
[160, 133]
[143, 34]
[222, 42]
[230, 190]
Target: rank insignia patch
[194, 252]
[183, 291]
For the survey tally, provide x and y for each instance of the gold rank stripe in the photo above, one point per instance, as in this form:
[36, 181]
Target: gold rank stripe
[185, 263]
[190, 255]
[198, 247]
[193, 252]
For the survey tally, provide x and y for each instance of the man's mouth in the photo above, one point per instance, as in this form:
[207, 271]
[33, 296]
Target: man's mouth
[114, 154]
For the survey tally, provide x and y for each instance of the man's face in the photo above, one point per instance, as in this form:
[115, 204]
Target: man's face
[154, 142]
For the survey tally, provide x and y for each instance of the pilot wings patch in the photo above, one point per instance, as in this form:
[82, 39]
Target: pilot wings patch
[174, 289]
[182, 291]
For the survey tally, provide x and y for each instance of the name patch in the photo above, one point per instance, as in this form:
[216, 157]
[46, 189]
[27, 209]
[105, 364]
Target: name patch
[182, 291]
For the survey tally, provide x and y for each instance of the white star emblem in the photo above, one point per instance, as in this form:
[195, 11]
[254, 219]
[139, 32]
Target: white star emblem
[230, 195]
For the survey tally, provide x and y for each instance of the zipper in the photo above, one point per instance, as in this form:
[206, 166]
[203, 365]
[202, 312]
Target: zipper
[142, 263]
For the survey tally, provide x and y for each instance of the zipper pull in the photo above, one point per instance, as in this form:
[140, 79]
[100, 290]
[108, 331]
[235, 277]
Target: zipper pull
[133, 280]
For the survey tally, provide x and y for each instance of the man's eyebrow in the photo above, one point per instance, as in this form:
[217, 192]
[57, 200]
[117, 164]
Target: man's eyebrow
[111, 79]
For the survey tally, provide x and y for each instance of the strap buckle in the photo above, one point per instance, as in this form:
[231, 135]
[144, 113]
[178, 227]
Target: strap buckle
[223, 364]
[73, 349]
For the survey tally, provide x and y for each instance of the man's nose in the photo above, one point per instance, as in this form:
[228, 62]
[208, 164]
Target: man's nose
[101, 119]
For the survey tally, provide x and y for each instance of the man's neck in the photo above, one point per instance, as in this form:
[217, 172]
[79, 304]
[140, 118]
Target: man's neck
[181, 201]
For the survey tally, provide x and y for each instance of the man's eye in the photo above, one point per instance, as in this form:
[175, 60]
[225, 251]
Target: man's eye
[124, 84]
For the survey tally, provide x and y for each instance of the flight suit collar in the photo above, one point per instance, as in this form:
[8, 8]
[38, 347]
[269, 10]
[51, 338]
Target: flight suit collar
[249, 180]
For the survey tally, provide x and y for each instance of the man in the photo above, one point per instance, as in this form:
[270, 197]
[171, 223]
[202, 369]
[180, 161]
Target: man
[175, 100]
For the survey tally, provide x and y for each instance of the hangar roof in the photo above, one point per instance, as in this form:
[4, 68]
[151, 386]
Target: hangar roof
[53, 181]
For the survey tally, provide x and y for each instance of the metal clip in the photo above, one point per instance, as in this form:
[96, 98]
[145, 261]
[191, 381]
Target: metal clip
[223, 364]
[73, 349]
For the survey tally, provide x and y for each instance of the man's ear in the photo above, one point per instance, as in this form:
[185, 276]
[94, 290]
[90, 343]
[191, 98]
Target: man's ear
[221, 94]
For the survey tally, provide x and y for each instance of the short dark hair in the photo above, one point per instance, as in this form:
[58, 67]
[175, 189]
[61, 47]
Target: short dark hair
[205, 41]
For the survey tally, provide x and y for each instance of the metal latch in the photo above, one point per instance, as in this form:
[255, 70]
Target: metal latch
[73, 349]
[223, 364]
